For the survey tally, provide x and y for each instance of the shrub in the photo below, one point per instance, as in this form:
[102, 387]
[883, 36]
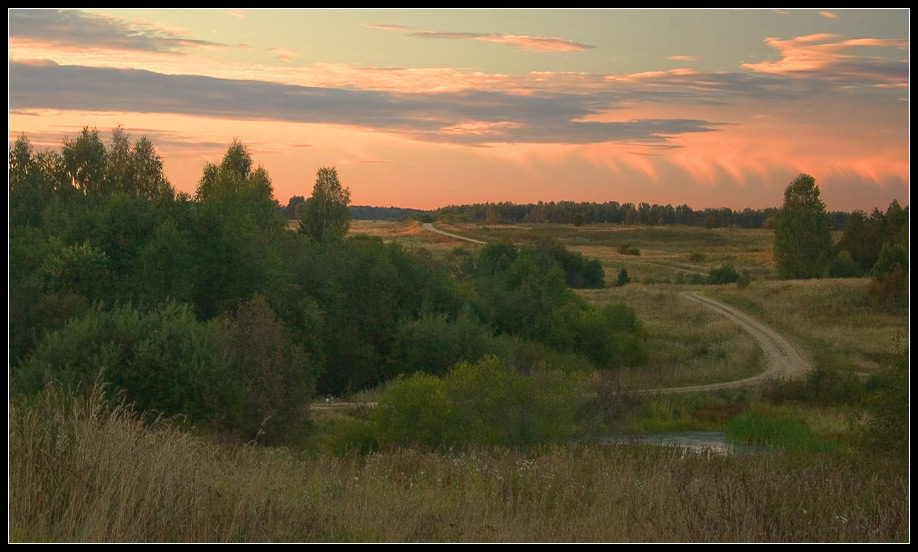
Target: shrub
[844, 266]
[623, 278]
[484, 403]
[726, 274]
[628, 249]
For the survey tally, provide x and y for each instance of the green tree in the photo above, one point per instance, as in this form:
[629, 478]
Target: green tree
[803, 237]
[325, 216]
[85, 160]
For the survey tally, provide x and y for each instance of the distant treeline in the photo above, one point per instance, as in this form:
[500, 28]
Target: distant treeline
[569, 212]
[365, 212]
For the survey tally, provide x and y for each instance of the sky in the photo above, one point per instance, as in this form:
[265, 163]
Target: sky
[435, 107]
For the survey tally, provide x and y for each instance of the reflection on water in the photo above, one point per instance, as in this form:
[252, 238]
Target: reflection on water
[697, 441]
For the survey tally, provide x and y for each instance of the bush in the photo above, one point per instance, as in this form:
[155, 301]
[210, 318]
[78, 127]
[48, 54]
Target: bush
[623, 278]
[844, 266]
[163, 360]
[628, 249]
[433, 343]
[484, 403]
[726, 274]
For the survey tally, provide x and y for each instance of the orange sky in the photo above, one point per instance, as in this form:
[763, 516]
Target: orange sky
[424, 108]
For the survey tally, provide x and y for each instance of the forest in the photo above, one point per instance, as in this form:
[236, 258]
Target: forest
[209, 307]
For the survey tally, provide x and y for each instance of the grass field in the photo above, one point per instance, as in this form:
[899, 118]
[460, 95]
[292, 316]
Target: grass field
[83, 470]
[80, 472]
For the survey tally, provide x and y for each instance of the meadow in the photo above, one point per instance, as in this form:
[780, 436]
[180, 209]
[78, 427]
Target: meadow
[84, 468]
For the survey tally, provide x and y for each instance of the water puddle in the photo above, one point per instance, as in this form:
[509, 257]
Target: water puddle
[695, 441]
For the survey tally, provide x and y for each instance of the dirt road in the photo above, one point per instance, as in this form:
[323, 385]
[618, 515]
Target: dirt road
[430, 226]
[782, 359]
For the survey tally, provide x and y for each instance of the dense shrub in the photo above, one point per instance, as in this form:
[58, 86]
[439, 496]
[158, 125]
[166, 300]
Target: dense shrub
[162, 360]
[726, 274]
[433, 343]
[483, 403]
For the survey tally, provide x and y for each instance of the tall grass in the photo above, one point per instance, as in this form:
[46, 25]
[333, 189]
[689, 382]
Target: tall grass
[82, 470]
[791, 435]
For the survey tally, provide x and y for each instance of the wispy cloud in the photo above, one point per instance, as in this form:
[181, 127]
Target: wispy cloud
[823, 57]
[531, 43]
[682, 58]
[71, 28]
[828, 14]
[285, 54]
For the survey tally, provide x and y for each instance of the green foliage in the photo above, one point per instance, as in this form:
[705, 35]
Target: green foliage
[80, 269]
[85, 161]
[623, 278]
[726, 274]
[276, 376]
[433, 343]
[484, 403]
[524, 293]
[628, 249]
[793, 436]
[162, 360]
[844, 266]
[803, 238]
[579, 272]
[325, 216]
[888, 427]
[889, 287]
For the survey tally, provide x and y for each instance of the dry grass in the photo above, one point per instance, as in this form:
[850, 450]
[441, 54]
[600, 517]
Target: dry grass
[834, 318]
[84, 473]
[688, 345]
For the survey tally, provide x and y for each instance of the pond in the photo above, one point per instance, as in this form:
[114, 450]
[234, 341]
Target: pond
[696, 441]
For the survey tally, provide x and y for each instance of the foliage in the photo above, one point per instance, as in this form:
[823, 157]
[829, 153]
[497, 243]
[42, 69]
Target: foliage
[276, 376]
[803, 238]
[325, 216]
[162, 360]
[726, 274]
[628, 249]
[623, 278]
[433, 343]
[888, 427]
[579, 272]
[889, 287]
[794, 436]
[844, 266]
[482, 403]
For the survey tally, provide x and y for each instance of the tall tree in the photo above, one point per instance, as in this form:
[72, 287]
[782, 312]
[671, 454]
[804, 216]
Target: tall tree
[325, 216]
[803, 237]
[85, 159]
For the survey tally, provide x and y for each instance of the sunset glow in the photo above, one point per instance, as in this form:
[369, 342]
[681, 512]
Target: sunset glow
[425, 108]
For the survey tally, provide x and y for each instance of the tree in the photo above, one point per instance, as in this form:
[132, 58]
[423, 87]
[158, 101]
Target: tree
[325, 217]
[803, 237]
[85, 160]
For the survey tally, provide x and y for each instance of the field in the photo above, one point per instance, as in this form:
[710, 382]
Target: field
[85, 469]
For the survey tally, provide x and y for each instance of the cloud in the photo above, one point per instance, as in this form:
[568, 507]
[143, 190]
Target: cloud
[75, 29]
[823, 57]
[472, 117]
[682, 58]
[531, 43]
[828, 14]
[285, 54]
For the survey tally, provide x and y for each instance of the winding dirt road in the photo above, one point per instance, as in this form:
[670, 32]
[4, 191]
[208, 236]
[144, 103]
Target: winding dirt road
[782, 360]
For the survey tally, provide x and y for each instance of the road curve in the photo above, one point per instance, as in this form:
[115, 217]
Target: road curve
[783, 361]
[430, 226]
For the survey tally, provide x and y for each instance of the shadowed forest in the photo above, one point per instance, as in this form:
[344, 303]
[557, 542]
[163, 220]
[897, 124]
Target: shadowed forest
[223, 367]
